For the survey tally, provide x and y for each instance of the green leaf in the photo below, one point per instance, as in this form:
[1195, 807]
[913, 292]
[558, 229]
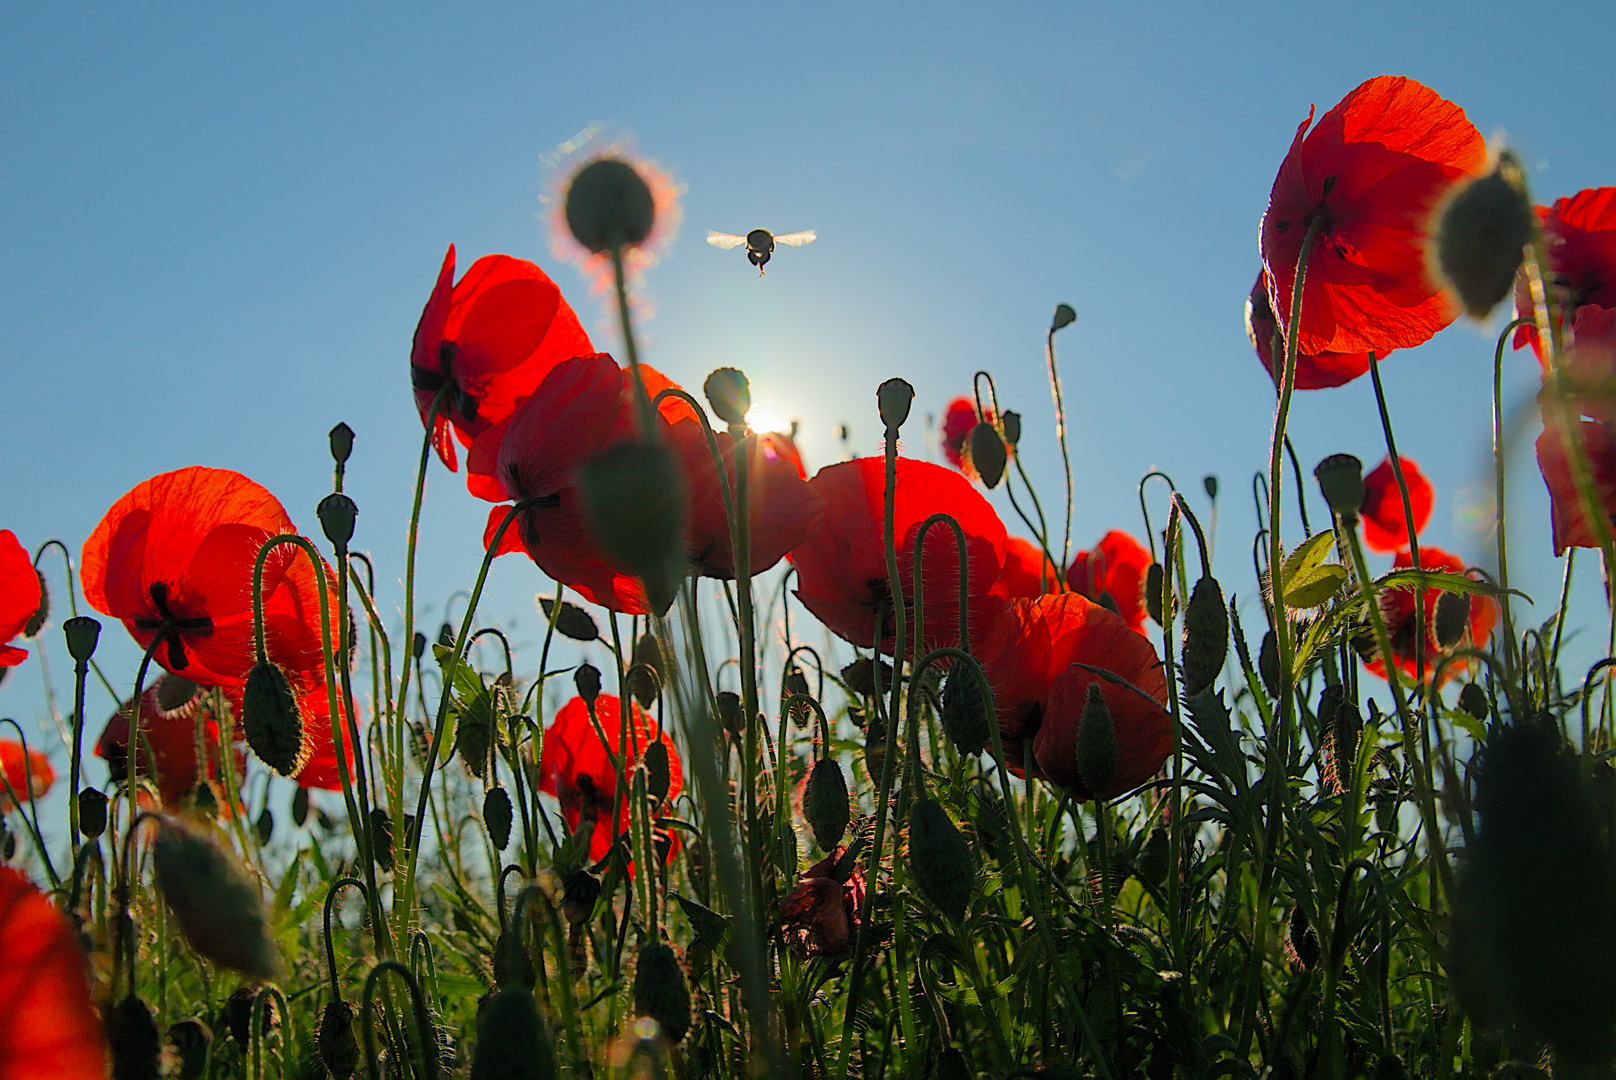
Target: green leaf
[1310, 553]
[1446, 580]
[1314, 585]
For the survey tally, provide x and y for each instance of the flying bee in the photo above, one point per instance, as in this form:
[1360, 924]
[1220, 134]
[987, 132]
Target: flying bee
[760, 243]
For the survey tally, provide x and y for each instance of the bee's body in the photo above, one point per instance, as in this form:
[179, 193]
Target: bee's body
[760, 243]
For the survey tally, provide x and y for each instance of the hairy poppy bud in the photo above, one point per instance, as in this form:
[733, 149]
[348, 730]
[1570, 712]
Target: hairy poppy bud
[337, 516]
[92, 813]
[381, 838]
[446, 636]
[793, 684]
[1473, 700]
[264, 826]
[825, 803]
[1065, 315]
[300, 806]
[1340, 477]
[1096, 742]
[571, 621]
[134, 1039]
[238, 1008]
[859, 676]
[497, 816]
[645, 676]
[609, 205]
[513, 967]
[893, 399]
[660, 991]
[272, 717]
[965, 716]
[940, 860]
[729, 394]
[1206, 636]
[587, 682]
[1479, 236]
[1268, 663]
[1452, 618]
[418, 645]
[1210, 483]
[511, 1041]
[730, 713]
[1011, 424]
[219, 908]
[341, 443]
[659, 773]
[636, 501]
[1303, 941]
[36, 621]
[988, 455]
[190, 1040]
[339, 1050]
[82, 632]
[203, 801]
[579, 892]
[1153, 592]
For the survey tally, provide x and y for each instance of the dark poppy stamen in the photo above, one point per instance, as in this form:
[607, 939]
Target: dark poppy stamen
[425, 379]
[1329, 185]
[446, 356]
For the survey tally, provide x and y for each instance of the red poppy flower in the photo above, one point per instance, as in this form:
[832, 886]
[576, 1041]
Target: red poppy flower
[1571, 526]
[574, 414]
[1113, 575]
[1028, 657]
[1397, 608]
[1313, 372]
[51, 1030]
[820, 916]
[490, 339]
[19, 596]
[1384, 526]
[321, 770]
[1589, 362]
[170, 710]
[1369, 174]
[1579, 234]
[842, 567]
[28, 774]
[958, 421]
[576, 766]
[1027, 571]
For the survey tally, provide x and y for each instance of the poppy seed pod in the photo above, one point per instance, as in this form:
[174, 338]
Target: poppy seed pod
[1479, 235]
[36, 621]
[825, 803]
[82, 633]
[219, 908]
[571, 621]
[341, 443]
[893, 399]
[1340, 477]
[337, 516]
[339, 1050]
[497, 815]
[586, 680]
[1452, 618]
[988, 455]
[729, 394]
[1096, 741]
[1011, 423]
[1065, 315]
[965, 716]
[609, 205]
[660, 991]
[190, 1040]
[134, 1039]
[1206, 636]
[940, 859]
[273, 719]
[636, 501]
[511, 1042]
[92, 813]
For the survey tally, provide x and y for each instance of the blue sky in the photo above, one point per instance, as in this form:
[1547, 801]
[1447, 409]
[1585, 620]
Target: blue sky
[221, 224]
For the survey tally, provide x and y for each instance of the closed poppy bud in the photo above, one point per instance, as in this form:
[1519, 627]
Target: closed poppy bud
[264, 826]
[964, 714]
[511, 1042]
[859, 676]
[940, 859]
[796, 683]
[1479, 236]
[446, 636]
[659, 774]
[660, 991]
[1452, 618]
[1210, 483]
[272, 718]
[1153, 592]
[134, 1039]
[730, 714]
[203, 801]
[1268, 663]
[337, 516]
[238, 1010]
[1065, 316]
[637, 501]
[513, 967]
[190, 1040]
[587, 681]
[825, 804]
[1096, 741]
[381, 838]
[893, 399]
[646, 677]
[36, 621]
[1473, 700]
[952, 1063]
[82, 632]
[987, 453]
[1340, 477]
[1304, 942]
[418, 645]
[1206, 636]
[339, 1050]
[497, 816]
[341, 443]
[219, 908]
[609, 205]
[579, 892]
[729, 394]
[300, 806]
[1011, 423]
[92, 813]
[875, 746]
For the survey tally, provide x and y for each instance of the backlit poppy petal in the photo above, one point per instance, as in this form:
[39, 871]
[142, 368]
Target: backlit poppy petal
[1407, 635]
[1385, 527]
[1113, 575]
[170, 710]
[28, 774]
[1579, 235]
[1027, 571]
[1571, 526]
[19, 596]
[1315, 372]
[51, 1029]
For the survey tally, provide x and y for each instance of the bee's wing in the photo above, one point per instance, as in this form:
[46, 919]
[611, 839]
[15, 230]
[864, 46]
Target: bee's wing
[724, 240]
[797, 239]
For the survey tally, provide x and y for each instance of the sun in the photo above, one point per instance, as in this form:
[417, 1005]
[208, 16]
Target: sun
[762, 420]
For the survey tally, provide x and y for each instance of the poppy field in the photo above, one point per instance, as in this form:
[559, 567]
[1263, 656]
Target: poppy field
[838, 772]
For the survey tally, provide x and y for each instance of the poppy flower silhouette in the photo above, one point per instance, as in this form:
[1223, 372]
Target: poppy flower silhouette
[1112, 574]
[19, 596]
[52, 1031]
[1384, 525]
[1317, 371]
[1579, 237]
[170, 711]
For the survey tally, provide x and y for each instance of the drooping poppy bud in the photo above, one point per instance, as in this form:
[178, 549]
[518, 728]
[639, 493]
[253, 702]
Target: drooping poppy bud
[300, 806]
[264, 826]
[825, 803]
[1011, 423]
[965, 715]
[273, 719]
[381, 838]
[659, 772]
[339, 1050]
[1153, 592]
[341, 443]
[511, 1042]
[1304, 943]
[238, 1013]
[1268, 663]
[579, 892]
[893, 399]
[446, 636]
[337, 516]
[1340, 477]
[1206, 636]
[134, 1039]
[1473, 700]
[92, 813]
[940, 860]
[587, 681]
[730, 395]
[36, 621]
[571, 621]
[1479, 236]
[1096, 741]
[645, 678]
[988, 455]
[609, 205]
[190, 1040]
[219, 908]
[660, 991]
[82, 633]
[1065, 315]
[497, 815]
[796, 683]
[636, 500]
[730, 713]
[859, 676]
[1452, 618]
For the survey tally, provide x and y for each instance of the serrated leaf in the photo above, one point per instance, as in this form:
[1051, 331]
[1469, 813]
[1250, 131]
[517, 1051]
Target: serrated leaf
[1313, 585]
[1445, 580]
[709, 925]
[1308, 554]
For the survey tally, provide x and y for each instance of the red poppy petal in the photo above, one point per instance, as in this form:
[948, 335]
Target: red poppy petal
[510, 540]
[1385, 527]
[429, 331]
[1571, 525]
[19, 591]
[52, 1030]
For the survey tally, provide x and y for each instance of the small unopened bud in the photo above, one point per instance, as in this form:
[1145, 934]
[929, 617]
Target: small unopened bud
[579, 892]
[190, 1040]
[988, 455]
[238, 1012]
[660, 991]
[341, 443]
[1304, 942]
[133, 1037]
[381, 838]
[1065, 315]
[418, 645]
[497, 815]
[1096, 742]
[82, 632]
[1452, 618]
[587, 682]
[645, 677]
[966, 717]
[859, 676]
[264, 826]
[92, 813]
[1473, 700]
[609, 205]
[729, 394]
[446, 636]
[1010, 423]
[337, 516]
[796, 683]
[219, 908]
[659, 772]
[893, 398]
[1479, 236]
[1268, 663]
[300, 806]
[730, 713]
[511, 1040]
[940, 860]
[1153, 592]
[36, 621]
[1206, 636]
[825, 803]
[273, 719]
[339, 1050]
[635, 499]
[1340, 477]
[571, 621]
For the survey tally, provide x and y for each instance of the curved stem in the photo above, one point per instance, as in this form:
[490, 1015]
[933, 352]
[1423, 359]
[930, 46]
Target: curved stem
[1060, 436]
[427, 1052]
[330, 949]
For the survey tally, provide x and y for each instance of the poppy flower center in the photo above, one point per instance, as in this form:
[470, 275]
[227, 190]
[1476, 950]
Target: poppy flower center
[460, 400]
[169, 627]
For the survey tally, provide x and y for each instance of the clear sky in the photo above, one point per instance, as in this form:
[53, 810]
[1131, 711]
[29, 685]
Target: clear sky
[220, 225]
